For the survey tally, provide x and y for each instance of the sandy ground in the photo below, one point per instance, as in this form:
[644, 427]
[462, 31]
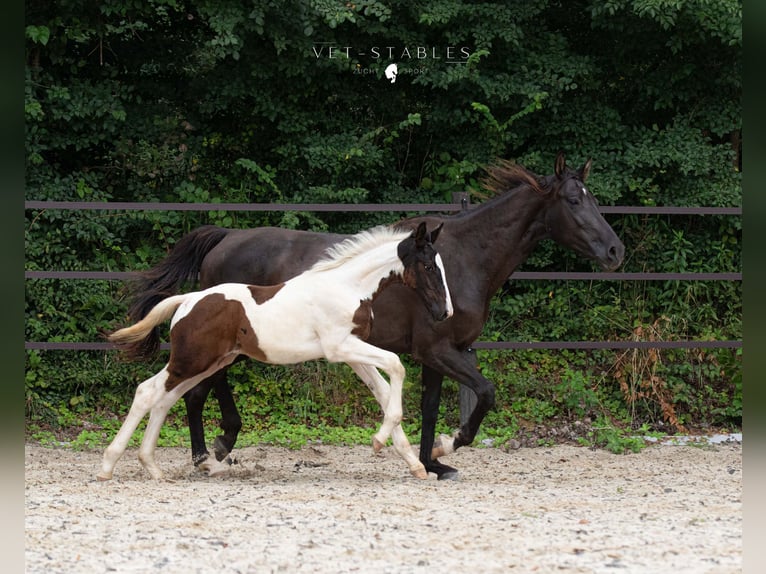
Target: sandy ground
[674, 509]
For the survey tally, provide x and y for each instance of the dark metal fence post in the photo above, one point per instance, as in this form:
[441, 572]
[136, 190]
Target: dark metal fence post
[468, 398]
[462, 198]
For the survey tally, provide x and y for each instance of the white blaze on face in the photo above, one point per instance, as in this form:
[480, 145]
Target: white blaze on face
[440, 265]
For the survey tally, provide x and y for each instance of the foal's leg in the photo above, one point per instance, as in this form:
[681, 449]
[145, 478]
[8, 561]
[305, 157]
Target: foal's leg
[380, 388]
[157, 417]
[147, 395]
[353, 350]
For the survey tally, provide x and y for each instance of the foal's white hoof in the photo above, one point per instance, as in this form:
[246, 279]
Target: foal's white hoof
[419, 473]
[104, 476]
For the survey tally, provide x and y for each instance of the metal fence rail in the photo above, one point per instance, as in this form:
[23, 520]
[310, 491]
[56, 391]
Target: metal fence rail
[460, 202]
[549, 275]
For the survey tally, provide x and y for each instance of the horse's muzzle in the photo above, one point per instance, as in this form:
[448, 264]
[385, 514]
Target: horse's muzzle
[614, 256]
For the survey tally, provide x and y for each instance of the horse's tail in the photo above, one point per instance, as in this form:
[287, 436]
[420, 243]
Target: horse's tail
[165, 279]
[132, 340]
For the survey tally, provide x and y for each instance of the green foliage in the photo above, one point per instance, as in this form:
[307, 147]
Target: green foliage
[205, 101]
[609, 437]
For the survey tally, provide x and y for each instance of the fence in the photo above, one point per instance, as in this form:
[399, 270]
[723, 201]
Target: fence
[460, 202]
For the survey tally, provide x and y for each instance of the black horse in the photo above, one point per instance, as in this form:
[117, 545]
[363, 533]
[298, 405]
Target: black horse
[480, 248]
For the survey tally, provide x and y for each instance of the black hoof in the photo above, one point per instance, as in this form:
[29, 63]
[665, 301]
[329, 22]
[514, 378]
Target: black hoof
[442, 471]
[221, 448]
[198, 459]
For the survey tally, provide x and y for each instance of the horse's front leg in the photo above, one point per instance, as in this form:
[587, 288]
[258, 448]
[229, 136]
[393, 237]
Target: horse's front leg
[354, 351]
[390, 396]
[429, 409]
[381, 390]
[460, 366]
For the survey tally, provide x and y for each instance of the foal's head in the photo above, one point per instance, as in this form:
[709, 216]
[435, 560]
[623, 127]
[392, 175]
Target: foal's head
[424, 271]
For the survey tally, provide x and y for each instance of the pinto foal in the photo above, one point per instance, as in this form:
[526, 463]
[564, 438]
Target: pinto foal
[326, 312]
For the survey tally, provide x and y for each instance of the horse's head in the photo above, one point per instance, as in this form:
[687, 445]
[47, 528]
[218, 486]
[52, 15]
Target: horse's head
[573, 219]
[424, 271]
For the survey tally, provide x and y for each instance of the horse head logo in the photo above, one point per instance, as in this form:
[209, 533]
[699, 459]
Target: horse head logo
[391, 72]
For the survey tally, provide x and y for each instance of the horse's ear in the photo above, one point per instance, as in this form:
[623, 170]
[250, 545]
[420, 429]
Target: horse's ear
[560, 164]
[435, 232]
[585, 170]
[420, 234]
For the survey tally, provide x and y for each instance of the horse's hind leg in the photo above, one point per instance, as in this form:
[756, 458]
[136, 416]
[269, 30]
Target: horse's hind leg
[231, 422]
[157, 417]
[195, 402]
[147, 395]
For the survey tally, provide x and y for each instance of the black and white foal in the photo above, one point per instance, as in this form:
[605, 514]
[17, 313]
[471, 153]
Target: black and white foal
[326, 312]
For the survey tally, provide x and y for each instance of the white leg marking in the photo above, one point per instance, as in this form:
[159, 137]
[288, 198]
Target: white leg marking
[379, 386]
[215, 467]
[443, 446]
[152, 432]
[147, 394]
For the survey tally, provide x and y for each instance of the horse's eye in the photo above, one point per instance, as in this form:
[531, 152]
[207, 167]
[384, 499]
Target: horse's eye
[429, 268]
[573, 200]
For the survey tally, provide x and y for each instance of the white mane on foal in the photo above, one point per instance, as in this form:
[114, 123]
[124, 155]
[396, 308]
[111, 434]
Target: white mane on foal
[358, 244]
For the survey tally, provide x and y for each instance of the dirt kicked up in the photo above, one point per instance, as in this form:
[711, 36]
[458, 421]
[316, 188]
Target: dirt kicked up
[342, 509]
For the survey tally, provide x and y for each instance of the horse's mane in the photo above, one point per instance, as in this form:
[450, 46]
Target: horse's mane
[503, 175]
[361, 242]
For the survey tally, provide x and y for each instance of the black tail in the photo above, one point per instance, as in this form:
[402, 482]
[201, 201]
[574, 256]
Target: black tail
[166, 278]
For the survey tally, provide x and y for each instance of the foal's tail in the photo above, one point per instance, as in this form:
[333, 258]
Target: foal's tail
[131, 339]
[165, 279]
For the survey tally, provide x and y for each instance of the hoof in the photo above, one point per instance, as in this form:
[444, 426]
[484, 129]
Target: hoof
[377, 446]
[215, 468]
[442, 471]
[220, 448]
[103, 477]
[419, 473]
[199, 459]
[451, 475]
